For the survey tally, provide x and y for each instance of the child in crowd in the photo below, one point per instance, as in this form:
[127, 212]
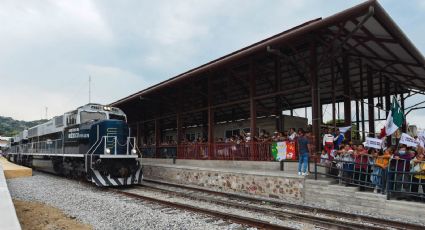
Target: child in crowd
[383, 161]
[337, 162]
[361, 159]
[335, 159]
[418, 167]
[348, 164]
[377, 171]
[324, 158]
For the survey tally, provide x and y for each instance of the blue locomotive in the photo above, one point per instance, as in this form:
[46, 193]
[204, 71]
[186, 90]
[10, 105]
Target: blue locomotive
[93, 141]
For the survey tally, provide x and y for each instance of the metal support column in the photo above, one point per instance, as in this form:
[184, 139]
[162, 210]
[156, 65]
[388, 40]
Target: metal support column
[315, 98]
[333, 95]
[278, 100]
[362, 101]
[387, 96]
[253, 109]
[210, 121]
[347, 94]
[179, 133]
[404, 126]
[157, 137]
[370, 102]
[137, 133]
[357, 120]
[387, 103]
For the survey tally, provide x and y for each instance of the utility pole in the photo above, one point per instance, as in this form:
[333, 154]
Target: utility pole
[46, 112]
[89, 88]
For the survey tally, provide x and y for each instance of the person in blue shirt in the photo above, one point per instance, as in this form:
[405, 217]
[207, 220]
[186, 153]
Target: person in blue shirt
[338, 138]
[304, 153]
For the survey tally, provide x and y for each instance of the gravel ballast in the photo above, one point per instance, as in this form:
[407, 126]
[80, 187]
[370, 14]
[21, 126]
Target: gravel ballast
[105, 210]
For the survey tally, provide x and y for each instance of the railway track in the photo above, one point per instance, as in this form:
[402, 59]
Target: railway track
[285, 212]
[317, 218]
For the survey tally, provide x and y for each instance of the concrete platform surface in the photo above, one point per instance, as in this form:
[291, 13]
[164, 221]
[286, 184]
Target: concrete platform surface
[8, 218]
[13, 171]
[247, 171]
[259, 166]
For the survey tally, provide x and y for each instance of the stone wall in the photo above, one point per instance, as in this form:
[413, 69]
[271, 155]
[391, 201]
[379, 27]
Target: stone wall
[285, 186]
[273, 186]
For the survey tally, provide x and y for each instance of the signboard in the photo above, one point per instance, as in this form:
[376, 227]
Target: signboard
[421, 138]
[284, 150]
[75, 134]
[408, 140]
[373, 143]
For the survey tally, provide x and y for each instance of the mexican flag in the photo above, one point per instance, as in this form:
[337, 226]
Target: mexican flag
[395, 118]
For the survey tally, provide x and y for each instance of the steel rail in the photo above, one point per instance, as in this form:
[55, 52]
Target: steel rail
[317, 221]
[380, 223]
[218, 214]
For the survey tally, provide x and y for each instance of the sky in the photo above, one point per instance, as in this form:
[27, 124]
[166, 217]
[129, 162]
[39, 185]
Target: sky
[48, 49]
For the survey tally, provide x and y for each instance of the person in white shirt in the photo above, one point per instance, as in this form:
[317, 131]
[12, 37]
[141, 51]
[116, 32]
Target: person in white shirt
[292, 134]
[328, 142]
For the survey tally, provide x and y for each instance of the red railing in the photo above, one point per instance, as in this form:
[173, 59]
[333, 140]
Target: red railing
[198, 151]
[258, 151]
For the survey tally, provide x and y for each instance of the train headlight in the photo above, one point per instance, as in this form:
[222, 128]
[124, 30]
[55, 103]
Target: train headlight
[107, 151]
[133, 151]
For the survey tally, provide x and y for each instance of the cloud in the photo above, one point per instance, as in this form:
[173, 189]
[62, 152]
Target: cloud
[23, 104]
[36, 22]
[112, 83]
[49, 48]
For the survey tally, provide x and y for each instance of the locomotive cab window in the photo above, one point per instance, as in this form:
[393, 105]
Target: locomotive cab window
[71, 119]
[91, 116]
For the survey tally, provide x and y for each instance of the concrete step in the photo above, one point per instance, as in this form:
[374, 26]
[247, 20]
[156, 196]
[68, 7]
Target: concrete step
[345, 201]
[331, 188]
[327, 195]
[342, 188]
[370, 195]
[323, 182]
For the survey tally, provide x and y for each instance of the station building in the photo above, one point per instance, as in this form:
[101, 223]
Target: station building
[359, 58]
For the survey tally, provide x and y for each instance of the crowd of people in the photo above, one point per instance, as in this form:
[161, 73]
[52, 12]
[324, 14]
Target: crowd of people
[242, 137]
[263, 136]
[397, 169]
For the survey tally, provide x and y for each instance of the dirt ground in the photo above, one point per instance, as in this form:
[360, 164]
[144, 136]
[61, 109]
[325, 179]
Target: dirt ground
[37, 216]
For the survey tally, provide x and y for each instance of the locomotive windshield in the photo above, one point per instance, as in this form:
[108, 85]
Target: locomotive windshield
[89, 116]
[117, 117]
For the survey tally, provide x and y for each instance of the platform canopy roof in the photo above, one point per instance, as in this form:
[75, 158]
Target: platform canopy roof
[358, 40]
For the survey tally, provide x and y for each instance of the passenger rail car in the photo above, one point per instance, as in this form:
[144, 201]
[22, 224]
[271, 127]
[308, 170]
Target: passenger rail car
[93, 141]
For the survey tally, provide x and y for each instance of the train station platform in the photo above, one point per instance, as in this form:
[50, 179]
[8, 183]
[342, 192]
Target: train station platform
[250, 177]
[265, 180]
[8, 218]
[12, 170]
